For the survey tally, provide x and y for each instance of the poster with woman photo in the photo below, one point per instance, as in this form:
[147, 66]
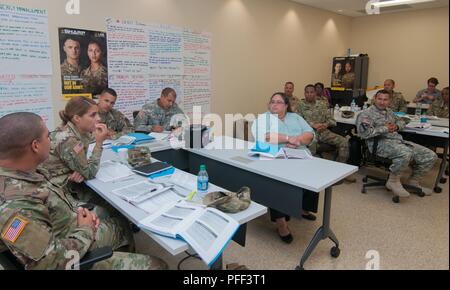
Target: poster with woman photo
[343, 74]
[84, 69]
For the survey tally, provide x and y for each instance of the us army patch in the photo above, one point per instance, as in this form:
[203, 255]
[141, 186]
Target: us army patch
[78, 148]
[14, 229]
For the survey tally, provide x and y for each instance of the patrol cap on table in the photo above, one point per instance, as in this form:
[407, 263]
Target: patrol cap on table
[229, 202]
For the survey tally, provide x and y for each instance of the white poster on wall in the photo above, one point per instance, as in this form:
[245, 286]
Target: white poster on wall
[27, 93]
[24, 41]
[161, 56]
[25, 62]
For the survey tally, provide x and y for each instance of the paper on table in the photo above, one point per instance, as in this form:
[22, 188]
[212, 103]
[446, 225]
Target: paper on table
[110, 171]
[160, 136]
[179, 178]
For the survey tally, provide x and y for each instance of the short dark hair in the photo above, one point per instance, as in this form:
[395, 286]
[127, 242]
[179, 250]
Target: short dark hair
[289, 83]
[433, 81]
[73, 38]
[17, 131]
[310, 86]
[168, 91]
[285, 99]
[390, 80]
[109, 91]
[320, 84]
[383, 92]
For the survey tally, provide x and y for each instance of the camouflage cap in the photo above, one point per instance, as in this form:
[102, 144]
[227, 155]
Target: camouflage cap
[229, 202]
[139, 156]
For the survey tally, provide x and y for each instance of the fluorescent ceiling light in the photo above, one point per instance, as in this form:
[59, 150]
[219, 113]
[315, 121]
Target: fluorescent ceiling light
[398, 2]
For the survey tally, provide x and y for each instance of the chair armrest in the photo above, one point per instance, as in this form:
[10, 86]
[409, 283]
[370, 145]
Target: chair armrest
[95, 256]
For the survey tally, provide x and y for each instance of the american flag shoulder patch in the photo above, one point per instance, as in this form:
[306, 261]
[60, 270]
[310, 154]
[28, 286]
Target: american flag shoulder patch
[14, 229]
[78, 148]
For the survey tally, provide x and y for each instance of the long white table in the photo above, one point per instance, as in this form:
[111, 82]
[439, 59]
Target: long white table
[135, 214]
[278, 184]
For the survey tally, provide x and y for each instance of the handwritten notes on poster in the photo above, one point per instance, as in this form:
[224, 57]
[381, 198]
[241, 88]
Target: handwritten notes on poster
[25, 62]
[155, 57]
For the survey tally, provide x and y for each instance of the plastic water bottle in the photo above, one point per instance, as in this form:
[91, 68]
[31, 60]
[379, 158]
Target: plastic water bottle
[418, 110]
[365, 106]
[336, 109]
[353, 105]
[202, 180]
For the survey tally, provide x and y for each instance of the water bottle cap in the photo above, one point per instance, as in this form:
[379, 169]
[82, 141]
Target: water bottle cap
[202, 167]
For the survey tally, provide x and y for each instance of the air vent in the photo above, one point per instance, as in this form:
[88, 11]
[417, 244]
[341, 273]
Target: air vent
[390, 8]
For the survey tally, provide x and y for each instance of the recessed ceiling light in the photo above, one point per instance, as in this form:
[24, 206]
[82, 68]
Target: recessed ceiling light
[398, 2]
[340, 10]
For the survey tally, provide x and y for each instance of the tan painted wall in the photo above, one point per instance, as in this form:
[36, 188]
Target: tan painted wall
[258, 45]
[408, 47]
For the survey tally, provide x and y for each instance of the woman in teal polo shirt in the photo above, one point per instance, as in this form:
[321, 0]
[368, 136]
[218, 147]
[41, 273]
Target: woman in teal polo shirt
[280, 126]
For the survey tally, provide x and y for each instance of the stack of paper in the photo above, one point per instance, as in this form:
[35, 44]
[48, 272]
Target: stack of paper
[110, 171]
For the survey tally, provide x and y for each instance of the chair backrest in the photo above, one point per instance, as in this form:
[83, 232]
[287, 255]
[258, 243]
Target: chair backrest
[242, 130]
[9, 262]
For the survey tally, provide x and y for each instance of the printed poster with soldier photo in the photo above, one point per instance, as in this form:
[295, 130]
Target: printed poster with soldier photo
[84, 68]
[343, 74]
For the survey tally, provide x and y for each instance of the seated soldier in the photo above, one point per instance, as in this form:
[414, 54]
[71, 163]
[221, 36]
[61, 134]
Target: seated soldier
[116, 122]
[317, 115]
[439, 107]
[37, 223]
[160, 115]
[289, 88]
[380, 121]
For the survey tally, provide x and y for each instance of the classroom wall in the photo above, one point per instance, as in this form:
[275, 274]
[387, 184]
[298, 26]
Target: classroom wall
[258, 45]
[409, 47]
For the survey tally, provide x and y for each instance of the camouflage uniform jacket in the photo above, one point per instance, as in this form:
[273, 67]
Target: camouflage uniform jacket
[371, 123]
[44, 219]
[68, 154]
[94, 81]
[398, 102]
[439, 109]
[293, 102]
[70, 70]
[152, 114]
[316, 112]
[117, 122]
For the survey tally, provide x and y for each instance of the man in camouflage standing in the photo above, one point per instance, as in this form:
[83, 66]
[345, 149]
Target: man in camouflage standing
[116, 122]
[38, 224]
[398, 102]
[380, 122]
[318, 116]
[160, 115]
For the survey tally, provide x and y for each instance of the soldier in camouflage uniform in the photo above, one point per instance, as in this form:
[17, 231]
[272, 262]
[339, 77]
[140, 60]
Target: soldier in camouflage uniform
[38, 224]
[94, 77]
[68, 166]
[160, 115]
[398, 102]
[439, 107]
[289, 92]
[318, 116]
[70, 66]
[380, 122]
[116, 122]
[348, 79]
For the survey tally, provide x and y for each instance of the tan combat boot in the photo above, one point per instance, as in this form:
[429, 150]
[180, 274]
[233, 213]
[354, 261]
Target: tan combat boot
[351, 178]
[396, 186]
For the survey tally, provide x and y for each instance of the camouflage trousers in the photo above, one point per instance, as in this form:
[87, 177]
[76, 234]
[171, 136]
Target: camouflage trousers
[112, 232]
[129, 261]
[404, 153]
[339, 141]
